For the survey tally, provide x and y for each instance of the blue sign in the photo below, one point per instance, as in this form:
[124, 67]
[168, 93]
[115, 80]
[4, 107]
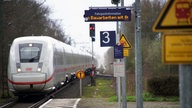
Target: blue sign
[118, 51]
[107, 38]
[108, 14]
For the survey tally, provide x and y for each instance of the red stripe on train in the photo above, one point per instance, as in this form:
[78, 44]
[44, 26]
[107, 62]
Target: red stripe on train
[27, 83]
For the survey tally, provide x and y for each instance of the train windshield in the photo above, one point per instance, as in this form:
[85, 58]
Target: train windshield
[30, 52]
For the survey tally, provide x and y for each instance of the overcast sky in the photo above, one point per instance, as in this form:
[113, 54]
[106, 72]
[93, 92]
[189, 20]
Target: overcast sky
[70, 14]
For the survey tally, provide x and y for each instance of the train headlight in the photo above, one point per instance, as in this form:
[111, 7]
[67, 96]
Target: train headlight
[40, 65]
[39, 69]
[18, 69]
[18, 65]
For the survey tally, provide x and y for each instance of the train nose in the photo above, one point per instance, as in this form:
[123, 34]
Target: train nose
[29, 81]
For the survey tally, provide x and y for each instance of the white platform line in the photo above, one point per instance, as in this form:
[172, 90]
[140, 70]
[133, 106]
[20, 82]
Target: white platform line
[45, 103]
[76, 102]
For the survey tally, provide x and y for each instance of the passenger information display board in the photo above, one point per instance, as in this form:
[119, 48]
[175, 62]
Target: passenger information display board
[177, 48]
[108, 14]
[118, 51]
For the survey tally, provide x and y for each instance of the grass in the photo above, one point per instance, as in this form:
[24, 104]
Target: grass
[104, 89]
[149, 97]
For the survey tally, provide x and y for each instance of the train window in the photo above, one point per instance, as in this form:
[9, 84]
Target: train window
[30, 52]
[59, 56]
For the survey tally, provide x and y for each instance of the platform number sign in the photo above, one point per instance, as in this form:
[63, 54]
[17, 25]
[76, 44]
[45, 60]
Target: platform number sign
[107, 38]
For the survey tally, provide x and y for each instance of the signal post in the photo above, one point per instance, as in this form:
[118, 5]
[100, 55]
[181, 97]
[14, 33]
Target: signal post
[92, 35]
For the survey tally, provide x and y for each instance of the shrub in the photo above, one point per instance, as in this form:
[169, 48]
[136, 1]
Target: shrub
[164, 86]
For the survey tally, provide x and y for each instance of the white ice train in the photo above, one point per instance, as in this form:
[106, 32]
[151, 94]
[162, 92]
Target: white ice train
[40, 64]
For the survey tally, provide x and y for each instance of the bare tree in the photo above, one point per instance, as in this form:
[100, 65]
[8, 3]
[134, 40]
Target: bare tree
[149, 12]
[23, 18]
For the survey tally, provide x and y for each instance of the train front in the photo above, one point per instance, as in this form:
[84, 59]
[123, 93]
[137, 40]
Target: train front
[26, 74]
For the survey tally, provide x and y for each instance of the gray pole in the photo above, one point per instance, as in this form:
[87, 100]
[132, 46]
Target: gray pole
[93, 83]
[80, 85]
[124, 101]
[119, 91]
[138, 64]
[118, 78]
[185, 85]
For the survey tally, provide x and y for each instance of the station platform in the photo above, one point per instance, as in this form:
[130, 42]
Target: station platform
[61, 103]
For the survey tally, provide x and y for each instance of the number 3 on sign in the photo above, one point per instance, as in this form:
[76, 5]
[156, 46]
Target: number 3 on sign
[107, 38]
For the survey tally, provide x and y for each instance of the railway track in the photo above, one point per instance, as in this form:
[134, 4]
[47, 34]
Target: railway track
[34, 102]
[10, 103]
[70, 90]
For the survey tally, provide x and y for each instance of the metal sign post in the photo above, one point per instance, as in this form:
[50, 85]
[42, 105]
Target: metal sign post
[138, 61]
[80, 75]
[185, 85]
[80, 85]
[124, 88]
[118, 79]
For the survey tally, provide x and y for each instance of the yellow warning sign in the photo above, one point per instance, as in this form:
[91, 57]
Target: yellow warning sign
[80, 74]
[177, 48]
[125, 42]
[176, 15]
[125, 52]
